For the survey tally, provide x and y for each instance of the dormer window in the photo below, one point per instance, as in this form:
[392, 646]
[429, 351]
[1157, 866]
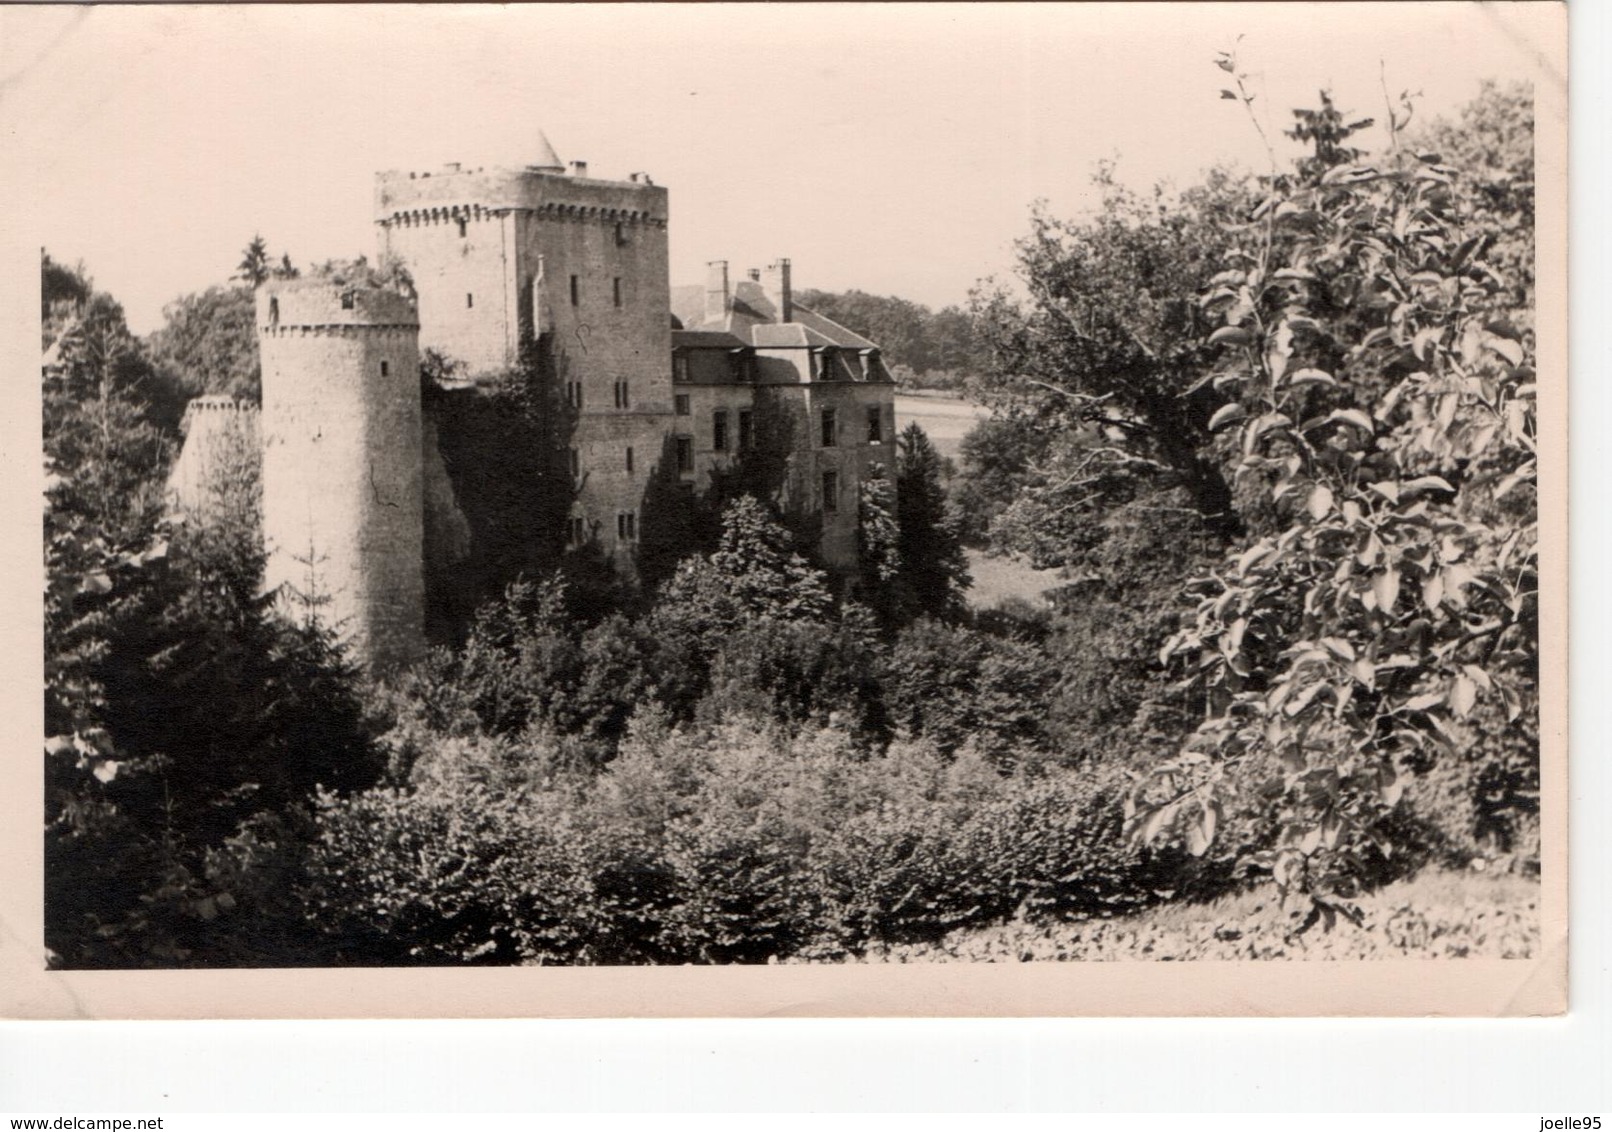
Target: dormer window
[347, 300]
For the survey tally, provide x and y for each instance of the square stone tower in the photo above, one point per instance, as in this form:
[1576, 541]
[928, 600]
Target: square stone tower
[541, 256]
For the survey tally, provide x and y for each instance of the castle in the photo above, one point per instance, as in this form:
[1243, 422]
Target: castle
[508, 265]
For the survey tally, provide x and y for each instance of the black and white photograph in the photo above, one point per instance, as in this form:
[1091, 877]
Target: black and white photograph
[829, 492]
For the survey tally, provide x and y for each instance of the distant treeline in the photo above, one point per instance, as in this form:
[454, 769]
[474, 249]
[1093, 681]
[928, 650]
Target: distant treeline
[922, 347]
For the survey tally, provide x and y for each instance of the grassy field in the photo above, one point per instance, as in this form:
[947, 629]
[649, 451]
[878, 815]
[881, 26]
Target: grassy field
[946, 419]
[999, 578]
[1438, 915]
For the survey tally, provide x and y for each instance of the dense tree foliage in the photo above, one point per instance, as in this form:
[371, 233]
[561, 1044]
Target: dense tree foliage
[177, 705]
[1277, 431]
[208, 344]
[1308, 395]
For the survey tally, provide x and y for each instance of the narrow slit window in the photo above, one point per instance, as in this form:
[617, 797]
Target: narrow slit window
[463, 231]
[470, 300]
[831, 491]
[576, 291]
[386, 367]
[615, 290]
[719, 430]
[875, 425]
[576, 464]
[830, 430]
[629, 461]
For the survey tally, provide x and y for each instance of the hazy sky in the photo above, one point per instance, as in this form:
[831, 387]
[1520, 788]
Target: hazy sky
[893, 148]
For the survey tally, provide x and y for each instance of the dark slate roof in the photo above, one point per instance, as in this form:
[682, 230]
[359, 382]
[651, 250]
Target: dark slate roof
[754, 320]
[707, 340]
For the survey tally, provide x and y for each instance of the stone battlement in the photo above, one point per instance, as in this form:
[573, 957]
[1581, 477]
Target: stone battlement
[452, 195]
[325, 304]
[216, 402]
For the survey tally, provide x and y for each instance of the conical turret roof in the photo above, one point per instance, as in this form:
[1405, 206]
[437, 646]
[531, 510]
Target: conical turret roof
[546, 158]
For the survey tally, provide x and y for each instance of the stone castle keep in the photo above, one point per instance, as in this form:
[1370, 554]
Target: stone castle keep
[507, 265]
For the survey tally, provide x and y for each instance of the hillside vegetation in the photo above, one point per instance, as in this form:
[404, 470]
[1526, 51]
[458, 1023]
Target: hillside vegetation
[1275, 434]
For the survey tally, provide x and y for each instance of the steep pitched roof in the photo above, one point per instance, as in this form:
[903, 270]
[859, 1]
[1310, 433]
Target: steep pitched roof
[545, 157]
[707, 340]
[753, 318]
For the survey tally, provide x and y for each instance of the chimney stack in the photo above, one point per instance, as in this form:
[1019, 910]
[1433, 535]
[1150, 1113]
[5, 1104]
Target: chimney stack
[579, 168]
[717, 298]
[755, 275]
[775, 285]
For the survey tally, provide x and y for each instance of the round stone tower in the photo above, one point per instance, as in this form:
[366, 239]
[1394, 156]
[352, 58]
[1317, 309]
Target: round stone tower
[342, 502]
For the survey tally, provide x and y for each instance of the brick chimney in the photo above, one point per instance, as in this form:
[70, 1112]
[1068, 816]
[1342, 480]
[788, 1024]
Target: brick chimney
[775, 285]
[718, 299]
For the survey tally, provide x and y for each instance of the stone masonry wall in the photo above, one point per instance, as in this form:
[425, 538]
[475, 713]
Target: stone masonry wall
[342, 468]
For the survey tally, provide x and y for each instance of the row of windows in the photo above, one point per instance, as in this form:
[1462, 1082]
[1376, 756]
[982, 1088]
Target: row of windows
[576, 463]
[464, 231]
[576, 293]
[829, 365]
[577, 533]
[621, 391]
[830, 427]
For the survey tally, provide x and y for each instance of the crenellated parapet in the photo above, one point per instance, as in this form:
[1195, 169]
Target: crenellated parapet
[464, 214]
[217, 468]
[329, 304]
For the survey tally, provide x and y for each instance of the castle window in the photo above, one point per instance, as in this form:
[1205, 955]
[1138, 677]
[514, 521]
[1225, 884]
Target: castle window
[719, 430]
[615, 290]
[470, 300]
[680, 402]
[347, 300]
[576, 530]
[274, 310]
[573, 394]
[626, 526]
[576, 291]
[875, 425]
[386, 367]
[831, 491]
[629, 461]
[576, 464]
[830, 429]
[825, 366]
[462, 229]
[680, 367]
[621, 234]
[623, 395]
[685, 455]
[747, 431]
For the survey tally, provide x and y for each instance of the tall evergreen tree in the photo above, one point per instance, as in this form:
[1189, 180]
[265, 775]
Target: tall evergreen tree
[254, 266]
[934, 570]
